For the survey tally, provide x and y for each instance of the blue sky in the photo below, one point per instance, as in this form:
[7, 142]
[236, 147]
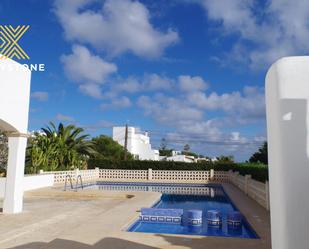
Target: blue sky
[190, 71]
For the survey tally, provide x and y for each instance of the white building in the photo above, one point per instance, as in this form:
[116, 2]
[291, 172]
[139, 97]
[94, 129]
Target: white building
[138, 144]
[181, 158]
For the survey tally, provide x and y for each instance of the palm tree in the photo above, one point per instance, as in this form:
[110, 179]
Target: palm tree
[59, 148]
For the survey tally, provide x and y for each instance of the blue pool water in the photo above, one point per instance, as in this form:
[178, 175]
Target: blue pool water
[179, 196]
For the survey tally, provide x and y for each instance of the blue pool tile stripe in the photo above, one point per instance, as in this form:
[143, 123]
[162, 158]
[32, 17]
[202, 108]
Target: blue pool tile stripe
[161, 215]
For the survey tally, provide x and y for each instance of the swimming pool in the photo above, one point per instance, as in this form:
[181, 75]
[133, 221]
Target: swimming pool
[187, 197]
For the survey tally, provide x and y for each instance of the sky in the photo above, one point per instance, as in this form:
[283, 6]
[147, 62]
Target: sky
[189, 71]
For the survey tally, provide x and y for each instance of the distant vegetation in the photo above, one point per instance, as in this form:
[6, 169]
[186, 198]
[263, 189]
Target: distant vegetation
[68, 147]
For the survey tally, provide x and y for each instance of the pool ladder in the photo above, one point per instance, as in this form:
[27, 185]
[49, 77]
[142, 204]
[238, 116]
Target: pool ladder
[69, 177]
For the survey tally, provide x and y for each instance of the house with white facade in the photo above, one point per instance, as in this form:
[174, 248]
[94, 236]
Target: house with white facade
[138, 144]
[181, 158]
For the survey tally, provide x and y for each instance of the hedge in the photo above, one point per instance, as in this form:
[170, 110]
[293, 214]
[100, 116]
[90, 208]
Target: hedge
[257, 171]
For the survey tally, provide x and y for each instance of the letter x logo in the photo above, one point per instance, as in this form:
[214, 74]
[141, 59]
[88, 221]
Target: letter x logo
[9, 38]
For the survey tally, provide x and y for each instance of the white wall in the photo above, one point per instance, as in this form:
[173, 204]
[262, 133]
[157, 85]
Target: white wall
[138, 144]
[2, 186]
[287, 96]
[30, 182]
[14, 96]
[180, 158]
[38, 181]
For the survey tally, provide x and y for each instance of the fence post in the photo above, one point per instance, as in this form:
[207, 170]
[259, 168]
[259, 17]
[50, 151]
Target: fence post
[267, 195]
[149, 174]
[212, 174]
[41, 171]
[236, 179]
[230, 176]
[76, 173]
[97, 172]
[247, 182]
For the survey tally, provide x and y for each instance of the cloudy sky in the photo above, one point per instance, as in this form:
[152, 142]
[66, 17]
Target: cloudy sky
[191, 71]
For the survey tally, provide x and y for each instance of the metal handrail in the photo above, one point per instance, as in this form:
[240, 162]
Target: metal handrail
[65, 184]
[81, 182]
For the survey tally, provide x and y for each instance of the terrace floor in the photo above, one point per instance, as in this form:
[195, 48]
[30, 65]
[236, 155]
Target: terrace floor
[90, 219]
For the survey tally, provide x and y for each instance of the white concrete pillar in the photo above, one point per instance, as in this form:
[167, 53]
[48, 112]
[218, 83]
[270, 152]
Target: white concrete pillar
[77, 173]
[13, 198]
[97, 172]
[247, 182]
[212, 175]
[149, 174]
[287, 109]
[230, 176]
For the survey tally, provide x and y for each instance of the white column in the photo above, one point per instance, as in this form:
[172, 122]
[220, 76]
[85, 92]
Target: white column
[149, 174]
[247, 182]
[287, 109]
[13, 198]
[97, 173]
[212, 175]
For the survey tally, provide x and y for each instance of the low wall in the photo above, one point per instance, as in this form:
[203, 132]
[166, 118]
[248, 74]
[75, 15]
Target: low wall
[175, 176]
[87, 175]
[256, 190]
[31, 182]
[38, 181]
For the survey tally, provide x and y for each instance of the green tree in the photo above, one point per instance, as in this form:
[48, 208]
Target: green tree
[225, 159]
[163, 145]
[107, 148]
[261, 156]
[164, 151]
[58, 148]
[186, 149]
[3, 152]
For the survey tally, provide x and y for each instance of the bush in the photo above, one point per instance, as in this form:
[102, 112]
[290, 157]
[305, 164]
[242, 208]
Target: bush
[2, 172]
[257, 171]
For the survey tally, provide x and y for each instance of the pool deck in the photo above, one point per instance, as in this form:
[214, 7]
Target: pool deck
[92, 219]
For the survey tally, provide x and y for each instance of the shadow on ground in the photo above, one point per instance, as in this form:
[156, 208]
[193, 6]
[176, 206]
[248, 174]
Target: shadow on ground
[213, 242]
[114, 243]
[106, 243]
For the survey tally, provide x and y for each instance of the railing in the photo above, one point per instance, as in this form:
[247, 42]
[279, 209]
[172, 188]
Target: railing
[68, 178]
[257, 190]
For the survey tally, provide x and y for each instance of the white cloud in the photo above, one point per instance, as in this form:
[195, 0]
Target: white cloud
[191, 84]
[187, 114]
[102, 124]
[134, 84]
[247, 105]
[91, 89]
[281, 31]
[88, 70]
[64, 118]
[117, 103]
[119, 26]
[82, 66]
[40, 96]
[168, 110]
